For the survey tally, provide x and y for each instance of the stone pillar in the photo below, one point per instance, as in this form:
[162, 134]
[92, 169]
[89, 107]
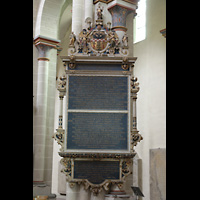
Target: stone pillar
[119, 13]
[77, 16]
[59, 134]
[60, 118]
[116, 194]
[71, 191]
[88, 10]
[44, 45]
[83, 194]
[135, 136]
[100, 196]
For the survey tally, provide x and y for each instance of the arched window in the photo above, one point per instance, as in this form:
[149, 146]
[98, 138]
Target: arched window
[139, 32]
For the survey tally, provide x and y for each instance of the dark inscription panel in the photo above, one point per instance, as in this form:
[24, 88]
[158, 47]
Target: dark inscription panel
[101, 67]
[97, 131]
[98, 92]
[96, 171]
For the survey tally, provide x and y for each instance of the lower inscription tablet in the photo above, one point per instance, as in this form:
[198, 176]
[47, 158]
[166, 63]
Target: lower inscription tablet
[96, 171]
[97, 131]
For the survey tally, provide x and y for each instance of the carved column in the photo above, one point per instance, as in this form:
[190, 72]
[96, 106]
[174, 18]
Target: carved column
[44, 45]
[136, 137]
[59, 134]
[77, 16]
[97, 197]
[89, 10]
[71, 191]
[83, 194]
[117, 193]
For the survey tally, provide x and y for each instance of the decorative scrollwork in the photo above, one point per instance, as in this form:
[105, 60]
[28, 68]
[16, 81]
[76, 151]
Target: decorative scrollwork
[134, 85]
[126, 167]
[59, 137]
[67, 170]
[125, 64]
[62, 84]
[136, 137]
[71, 64]
[125, 170]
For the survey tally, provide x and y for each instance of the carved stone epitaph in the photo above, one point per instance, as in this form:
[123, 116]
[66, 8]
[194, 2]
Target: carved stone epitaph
[97, 143]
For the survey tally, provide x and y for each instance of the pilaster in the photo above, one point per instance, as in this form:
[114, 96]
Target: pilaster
[59, 134]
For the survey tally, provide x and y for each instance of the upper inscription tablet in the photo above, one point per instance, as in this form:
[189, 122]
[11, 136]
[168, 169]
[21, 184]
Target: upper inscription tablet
[98, 92]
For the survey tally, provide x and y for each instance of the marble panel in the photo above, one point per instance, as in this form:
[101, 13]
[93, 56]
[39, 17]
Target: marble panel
[158, 174]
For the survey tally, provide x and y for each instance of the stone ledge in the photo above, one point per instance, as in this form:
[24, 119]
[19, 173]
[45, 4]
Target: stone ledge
[96, 155]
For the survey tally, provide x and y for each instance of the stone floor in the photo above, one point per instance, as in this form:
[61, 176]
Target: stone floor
[60, 197]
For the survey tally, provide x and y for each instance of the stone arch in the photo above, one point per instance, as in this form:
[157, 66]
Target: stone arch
[48, 17]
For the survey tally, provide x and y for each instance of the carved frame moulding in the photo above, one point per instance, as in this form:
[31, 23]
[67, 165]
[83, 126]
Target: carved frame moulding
[71, 61]
[124, 159]
[123, 167]
[134, 135]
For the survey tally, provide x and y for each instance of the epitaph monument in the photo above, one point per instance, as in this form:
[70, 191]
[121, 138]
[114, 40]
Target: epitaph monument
[100, 92]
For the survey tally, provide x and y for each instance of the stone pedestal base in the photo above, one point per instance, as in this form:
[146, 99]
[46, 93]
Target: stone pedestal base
[117, 195]
[44, 190]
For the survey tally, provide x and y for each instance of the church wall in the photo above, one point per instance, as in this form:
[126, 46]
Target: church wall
[150, 68]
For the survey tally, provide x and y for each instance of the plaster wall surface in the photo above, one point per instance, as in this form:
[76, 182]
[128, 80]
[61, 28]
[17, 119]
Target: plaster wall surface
[150, 68]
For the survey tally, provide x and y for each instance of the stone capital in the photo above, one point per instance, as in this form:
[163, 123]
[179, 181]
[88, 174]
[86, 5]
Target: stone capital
[44, 44]
[119, 11]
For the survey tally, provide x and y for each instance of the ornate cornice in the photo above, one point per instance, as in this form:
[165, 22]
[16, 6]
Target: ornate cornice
[96, 155]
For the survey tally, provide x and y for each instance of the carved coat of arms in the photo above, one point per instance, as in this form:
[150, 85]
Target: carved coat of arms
[99, 40]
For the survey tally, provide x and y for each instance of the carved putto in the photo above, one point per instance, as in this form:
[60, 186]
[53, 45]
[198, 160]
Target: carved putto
[72, 39]
[83, 41]
[99, 12]
[125, 41]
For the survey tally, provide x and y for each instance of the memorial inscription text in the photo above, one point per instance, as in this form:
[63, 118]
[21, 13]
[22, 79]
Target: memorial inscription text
[96, 171]
[91, 123]
[97, 131]
[98, 92]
